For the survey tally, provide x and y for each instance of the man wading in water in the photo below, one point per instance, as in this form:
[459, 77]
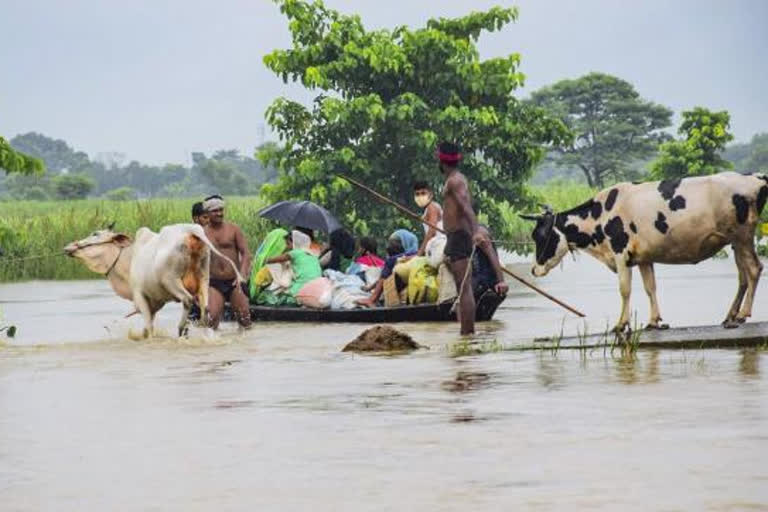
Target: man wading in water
[223, 286]
[461, 227]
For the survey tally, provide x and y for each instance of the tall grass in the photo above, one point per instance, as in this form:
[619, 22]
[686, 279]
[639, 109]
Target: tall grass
[33, 233]
[560, 196]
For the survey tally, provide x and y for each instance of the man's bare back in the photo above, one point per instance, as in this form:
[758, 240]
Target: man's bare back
[456, 197]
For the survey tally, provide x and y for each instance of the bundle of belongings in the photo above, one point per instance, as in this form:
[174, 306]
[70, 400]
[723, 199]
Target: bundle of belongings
[288, 272]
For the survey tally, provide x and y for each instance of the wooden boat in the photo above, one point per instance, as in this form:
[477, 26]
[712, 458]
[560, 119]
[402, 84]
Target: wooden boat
[486, 307]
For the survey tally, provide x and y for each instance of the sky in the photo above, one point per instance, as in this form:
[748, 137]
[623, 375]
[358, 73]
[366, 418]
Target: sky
[159, 79]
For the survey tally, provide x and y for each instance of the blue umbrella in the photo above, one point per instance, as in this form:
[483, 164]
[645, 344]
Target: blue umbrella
[303, 214]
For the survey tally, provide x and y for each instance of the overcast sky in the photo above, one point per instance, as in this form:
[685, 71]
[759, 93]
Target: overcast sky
[157, 79]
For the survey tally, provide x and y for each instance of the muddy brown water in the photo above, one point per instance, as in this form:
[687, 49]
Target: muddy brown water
[278, 419]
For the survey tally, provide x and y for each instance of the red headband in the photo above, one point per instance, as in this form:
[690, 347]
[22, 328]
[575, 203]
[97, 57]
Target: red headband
[448, 158]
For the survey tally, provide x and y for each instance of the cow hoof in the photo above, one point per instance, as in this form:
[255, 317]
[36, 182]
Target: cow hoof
[183, 332]
[731, 324]
[657, 327]
[621, 329]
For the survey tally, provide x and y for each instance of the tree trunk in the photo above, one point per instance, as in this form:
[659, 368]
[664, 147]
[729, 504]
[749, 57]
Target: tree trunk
[588, 174]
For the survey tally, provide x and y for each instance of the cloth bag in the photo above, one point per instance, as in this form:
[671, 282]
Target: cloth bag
[316, 294]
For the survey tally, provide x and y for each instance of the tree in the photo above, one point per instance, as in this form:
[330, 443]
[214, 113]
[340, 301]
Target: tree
[13, 161]
[385, 99]
[758, 157]
[72, 186]
[121, 194]
[613, 127]
[57, 154]
[705, 134]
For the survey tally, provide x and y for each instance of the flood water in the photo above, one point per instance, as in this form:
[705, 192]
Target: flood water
[278, 419]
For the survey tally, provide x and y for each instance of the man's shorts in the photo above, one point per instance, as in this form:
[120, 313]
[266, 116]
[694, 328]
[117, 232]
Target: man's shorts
[458, 246]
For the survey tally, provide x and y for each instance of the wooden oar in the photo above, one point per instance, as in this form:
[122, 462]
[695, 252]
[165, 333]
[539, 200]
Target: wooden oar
[420, 219]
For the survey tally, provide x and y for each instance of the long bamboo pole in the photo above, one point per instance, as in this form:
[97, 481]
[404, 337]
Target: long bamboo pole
[416, 216]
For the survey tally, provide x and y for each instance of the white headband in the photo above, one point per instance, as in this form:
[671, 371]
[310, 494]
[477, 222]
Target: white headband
[213, 203]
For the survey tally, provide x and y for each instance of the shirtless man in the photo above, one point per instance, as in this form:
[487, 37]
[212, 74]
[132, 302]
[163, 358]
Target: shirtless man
[223, 286]
[433, 212]
[198, 214]
[463, 234]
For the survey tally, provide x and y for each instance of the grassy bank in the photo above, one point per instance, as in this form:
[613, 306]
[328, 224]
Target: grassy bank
[33, 233]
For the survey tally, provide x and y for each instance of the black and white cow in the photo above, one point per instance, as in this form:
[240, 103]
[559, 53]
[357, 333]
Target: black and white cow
[674, 222]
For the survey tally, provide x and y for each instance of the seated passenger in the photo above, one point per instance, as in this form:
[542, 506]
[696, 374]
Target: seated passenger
[402, 244]
[341, 247]
[272, 245]
[486, 269]
[369, 253]
[315, 247]
[305, 265]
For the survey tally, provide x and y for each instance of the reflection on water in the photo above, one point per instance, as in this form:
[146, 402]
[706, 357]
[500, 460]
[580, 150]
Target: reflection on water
[750, 362]
[279, 419]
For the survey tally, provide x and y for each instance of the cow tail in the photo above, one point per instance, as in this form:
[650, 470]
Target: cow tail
[200, 234]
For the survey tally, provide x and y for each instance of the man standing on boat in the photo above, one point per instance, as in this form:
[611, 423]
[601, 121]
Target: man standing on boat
[223, 286]
[463, 235]
[433, 213]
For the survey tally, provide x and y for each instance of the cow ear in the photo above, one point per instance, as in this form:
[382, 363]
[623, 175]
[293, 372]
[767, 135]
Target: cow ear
[122, 240]
[527, 216]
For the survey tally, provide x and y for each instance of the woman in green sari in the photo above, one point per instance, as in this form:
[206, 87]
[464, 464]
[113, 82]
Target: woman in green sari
[273, 245]
[305, 265]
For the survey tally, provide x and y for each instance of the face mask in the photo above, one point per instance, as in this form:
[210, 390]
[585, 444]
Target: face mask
[422, 200]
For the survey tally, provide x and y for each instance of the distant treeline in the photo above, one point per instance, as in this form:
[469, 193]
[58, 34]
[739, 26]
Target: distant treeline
[751, 156]
[72, 174]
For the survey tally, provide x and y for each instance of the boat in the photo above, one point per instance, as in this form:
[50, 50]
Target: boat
[487, 304]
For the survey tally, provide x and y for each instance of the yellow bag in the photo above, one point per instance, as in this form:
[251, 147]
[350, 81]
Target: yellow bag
[391, 297]
[764, 229]
[422, 284]
[403, 270]
[263, 278]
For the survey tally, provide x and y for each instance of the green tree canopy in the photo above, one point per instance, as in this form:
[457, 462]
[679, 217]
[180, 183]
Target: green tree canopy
[613, 126]
[705, 134]
[13, 161]
[385, 98]
[72, 186]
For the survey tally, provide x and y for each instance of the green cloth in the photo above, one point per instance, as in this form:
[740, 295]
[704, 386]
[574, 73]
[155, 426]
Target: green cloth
[269, 298]
[273, 245]
[306, 267]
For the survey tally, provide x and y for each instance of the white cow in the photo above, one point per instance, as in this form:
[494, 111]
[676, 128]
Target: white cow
[172, 265]
[672, 221]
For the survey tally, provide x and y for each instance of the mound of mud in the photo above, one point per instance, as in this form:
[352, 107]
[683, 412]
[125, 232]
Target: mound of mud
[382, 338]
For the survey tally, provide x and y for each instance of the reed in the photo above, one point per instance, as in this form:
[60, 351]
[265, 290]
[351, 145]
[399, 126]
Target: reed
[560, 196]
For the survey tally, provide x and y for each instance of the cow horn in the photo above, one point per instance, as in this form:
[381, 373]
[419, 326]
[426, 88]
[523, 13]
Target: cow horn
[547, 209]
[528, 216]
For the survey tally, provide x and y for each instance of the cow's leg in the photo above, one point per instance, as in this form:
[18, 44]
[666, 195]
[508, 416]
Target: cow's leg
[175, 286]
[753, 268]
[146, 313]
[625, 288]
[730, 320]
[649, 282]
